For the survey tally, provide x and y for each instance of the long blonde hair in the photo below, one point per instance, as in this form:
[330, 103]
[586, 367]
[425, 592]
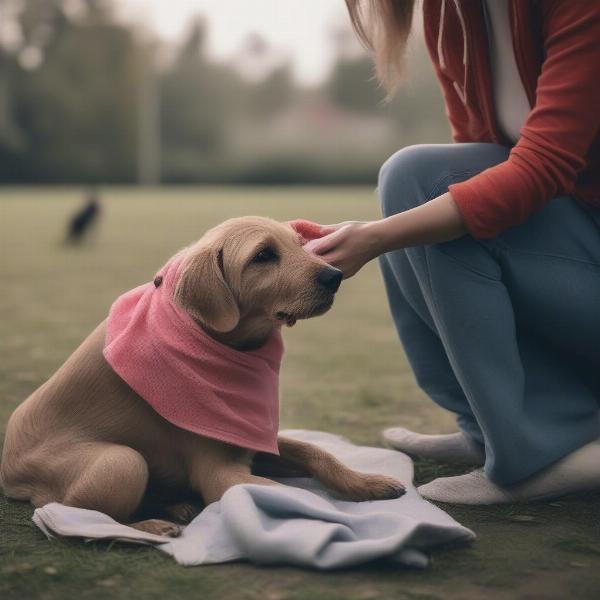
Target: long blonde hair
[383, 26]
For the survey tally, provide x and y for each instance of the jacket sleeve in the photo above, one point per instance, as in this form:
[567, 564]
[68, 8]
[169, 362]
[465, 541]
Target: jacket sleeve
[557, 134]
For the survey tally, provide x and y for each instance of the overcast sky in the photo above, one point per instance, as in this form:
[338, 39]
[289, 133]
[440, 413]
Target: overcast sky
[299, 28]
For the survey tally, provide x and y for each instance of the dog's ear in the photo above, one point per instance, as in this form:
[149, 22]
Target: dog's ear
[203, 292]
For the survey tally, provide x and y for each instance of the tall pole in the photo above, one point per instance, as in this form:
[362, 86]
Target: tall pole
[149, 142]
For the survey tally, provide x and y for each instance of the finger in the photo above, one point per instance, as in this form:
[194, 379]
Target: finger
[328, 242]
[331, 258]
[334, 226]
[322, 245]
[337, 261]
[328, 229]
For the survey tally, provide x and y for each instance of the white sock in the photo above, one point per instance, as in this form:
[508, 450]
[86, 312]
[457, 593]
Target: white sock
[578, 472]
[451, 447]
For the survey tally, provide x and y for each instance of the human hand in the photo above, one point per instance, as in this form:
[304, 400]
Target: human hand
[348, 247]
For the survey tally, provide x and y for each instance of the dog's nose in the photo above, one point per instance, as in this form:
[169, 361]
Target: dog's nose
[330, 278]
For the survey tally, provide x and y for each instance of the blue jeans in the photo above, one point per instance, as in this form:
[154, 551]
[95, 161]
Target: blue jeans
[505, 333]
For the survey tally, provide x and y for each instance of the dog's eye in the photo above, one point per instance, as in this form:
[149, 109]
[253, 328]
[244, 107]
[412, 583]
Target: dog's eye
[265, 255]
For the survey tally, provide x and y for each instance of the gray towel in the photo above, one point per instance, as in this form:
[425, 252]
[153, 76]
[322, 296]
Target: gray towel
[299, 524]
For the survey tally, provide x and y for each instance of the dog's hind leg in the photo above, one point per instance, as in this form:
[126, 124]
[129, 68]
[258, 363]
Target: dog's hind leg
[112, 479]
[106, 477]
[349, 484]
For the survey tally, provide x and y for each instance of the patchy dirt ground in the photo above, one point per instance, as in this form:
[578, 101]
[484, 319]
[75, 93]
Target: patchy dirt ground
[344, 373]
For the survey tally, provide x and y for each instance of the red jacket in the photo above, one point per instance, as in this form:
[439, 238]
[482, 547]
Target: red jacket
[557, 49]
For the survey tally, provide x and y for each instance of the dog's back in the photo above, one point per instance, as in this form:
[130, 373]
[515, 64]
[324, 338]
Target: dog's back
[84, 402]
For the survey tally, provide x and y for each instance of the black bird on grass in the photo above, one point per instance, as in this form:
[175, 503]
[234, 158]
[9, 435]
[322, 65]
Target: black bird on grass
[83, 221]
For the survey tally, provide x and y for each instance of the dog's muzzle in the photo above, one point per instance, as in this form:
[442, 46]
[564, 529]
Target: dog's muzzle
[330, 278]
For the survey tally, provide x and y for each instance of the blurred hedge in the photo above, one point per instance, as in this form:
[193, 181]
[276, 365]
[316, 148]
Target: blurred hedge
[83, 100]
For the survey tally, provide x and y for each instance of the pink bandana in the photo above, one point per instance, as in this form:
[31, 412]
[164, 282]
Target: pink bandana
[191, 380]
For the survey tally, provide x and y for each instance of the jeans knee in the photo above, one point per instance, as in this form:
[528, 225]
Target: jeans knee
[400, 179]
[415, 174]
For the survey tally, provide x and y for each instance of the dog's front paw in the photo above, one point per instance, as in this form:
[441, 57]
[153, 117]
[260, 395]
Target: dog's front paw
[368, 486]
[158, 527]
[183, 512]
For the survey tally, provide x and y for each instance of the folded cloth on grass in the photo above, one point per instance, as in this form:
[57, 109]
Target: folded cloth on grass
[297, 524]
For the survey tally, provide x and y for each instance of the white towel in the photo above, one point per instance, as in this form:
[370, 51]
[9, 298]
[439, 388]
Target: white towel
[299, 524]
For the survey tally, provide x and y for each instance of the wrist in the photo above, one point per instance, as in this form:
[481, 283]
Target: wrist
[376, 240]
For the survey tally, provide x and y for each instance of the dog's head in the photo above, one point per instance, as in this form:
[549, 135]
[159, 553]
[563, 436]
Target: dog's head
[253, 268]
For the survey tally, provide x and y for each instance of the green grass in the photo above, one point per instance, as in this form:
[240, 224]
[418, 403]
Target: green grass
[345, 372]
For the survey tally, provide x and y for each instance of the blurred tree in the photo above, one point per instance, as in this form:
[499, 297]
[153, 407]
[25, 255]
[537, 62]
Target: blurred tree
[353, 86]
[75, 93]
[79, 109]
[417, 110]
[41, 21]
[273, 94]
[190, 99]
[82, 99]
[197, 97]
[269, 84]
[11, 137]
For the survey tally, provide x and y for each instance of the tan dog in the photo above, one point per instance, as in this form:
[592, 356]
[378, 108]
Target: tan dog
[86, 439]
